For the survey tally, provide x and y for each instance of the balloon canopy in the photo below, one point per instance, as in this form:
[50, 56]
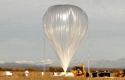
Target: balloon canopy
[65, 26]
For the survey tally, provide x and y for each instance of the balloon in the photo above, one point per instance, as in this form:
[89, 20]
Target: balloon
[65, 26]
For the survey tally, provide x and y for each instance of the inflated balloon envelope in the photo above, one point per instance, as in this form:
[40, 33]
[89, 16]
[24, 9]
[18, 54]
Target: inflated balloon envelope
[65, 26]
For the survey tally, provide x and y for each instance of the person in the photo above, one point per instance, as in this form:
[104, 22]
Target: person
[42, 73]
[26, 73]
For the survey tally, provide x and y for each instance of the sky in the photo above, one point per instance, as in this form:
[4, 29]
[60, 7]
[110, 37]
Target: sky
[22, 35]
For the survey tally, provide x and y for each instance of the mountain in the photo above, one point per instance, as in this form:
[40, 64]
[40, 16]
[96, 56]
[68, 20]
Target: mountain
[39, 65]
[120, 63]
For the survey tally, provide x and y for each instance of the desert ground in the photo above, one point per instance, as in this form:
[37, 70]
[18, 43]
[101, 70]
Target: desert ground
[49, 76]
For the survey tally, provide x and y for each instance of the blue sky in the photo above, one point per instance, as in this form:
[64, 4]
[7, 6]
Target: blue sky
[21, 32]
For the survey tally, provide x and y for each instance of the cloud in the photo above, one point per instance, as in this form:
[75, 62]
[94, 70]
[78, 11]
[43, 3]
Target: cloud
[25, 62]
[47, 61]
[2, 62]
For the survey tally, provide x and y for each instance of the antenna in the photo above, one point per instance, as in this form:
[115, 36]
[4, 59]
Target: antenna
[88, 52]
[44, 52]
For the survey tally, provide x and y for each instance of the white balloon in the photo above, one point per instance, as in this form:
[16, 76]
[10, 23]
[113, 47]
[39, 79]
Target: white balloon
[65, 26]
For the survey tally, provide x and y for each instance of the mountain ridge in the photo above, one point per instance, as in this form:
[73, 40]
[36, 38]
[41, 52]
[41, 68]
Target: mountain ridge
[50, 63]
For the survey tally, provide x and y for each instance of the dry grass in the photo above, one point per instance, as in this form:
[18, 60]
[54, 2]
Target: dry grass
[48, 76]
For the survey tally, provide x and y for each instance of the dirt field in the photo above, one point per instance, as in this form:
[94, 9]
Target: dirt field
[57, 78]
[49, 76]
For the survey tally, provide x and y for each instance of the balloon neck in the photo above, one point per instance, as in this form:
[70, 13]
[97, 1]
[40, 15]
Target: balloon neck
[65, 73]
